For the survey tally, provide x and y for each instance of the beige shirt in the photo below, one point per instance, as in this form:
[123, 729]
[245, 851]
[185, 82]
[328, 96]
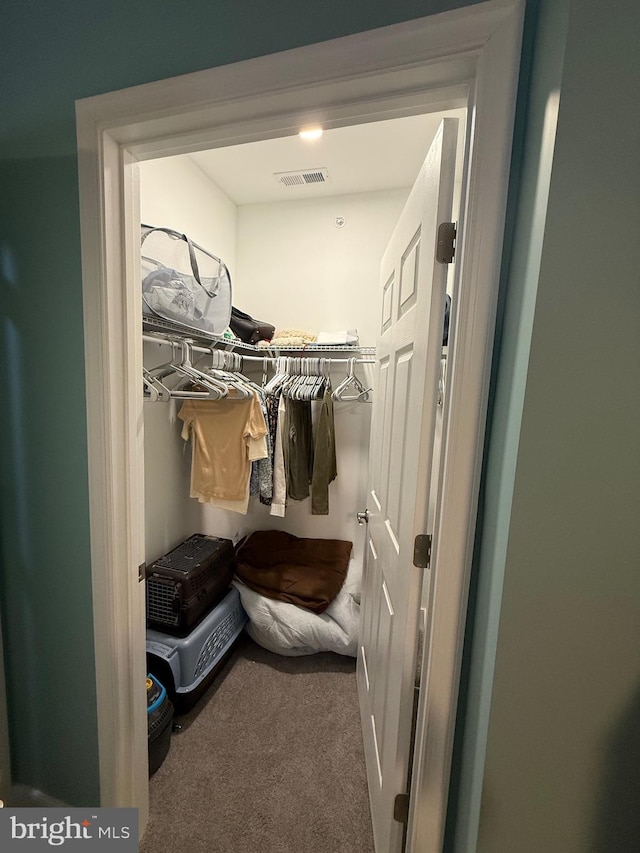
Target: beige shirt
[226, 437]
[257, 450]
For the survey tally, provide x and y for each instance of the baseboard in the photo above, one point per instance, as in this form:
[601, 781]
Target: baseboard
[22, 796]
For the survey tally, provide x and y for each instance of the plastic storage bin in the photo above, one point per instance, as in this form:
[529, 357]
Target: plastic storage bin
[188, 665]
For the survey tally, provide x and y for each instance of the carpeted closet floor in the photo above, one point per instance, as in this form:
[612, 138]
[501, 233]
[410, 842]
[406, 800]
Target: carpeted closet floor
[269, 761]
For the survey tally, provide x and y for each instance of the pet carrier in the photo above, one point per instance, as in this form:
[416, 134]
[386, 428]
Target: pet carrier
[185, 583]
[188, 665]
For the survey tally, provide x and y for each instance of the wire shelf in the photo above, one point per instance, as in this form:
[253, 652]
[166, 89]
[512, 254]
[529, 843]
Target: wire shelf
[165, 330]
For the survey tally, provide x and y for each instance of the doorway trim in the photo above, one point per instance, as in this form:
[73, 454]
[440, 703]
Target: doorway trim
[468, 57]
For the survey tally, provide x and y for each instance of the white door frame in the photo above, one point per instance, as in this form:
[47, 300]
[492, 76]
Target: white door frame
[467, 56]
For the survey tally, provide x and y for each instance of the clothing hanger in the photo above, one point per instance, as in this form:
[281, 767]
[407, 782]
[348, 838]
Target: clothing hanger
[169, 367]
[298, 388]
[294, 388]
[253, 386]
[156, 391]
[206, 386]
[153, 390]
[318, 380]
[282, 375]
[351, 380]
[220, 371]
[152, 379]
[301, 378]
[313, 380]
[322, 380]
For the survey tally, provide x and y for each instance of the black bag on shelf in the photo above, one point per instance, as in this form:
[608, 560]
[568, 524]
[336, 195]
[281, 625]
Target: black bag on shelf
[249, 331]
[183, 283]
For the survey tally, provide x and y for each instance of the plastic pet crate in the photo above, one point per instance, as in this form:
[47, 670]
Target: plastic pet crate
[187, 582]
[159, 720]
[187, 665]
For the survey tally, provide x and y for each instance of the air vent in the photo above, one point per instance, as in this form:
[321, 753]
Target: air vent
[302, 177]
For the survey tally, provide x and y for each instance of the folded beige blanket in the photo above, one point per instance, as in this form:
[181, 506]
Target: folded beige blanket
[305, 572]
[290, 338]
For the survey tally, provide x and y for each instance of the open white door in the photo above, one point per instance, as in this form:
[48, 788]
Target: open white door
[408, 362]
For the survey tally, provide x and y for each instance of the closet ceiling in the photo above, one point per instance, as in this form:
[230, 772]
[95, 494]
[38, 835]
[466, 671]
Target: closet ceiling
[380, 155]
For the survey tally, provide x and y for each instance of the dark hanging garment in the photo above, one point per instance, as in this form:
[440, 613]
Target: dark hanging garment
[297, 443]
[324, 458]
[271, 403]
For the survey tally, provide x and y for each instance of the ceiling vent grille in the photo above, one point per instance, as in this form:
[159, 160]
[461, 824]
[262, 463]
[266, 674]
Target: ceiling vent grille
[302, 177]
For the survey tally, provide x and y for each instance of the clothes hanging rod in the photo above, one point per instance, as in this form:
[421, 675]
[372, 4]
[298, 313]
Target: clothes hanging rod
[156, 339]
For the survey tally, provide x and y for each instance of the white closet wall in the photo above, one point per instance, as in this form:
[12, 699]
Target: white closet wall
[290, 266]
[297, 269]
[175, 193]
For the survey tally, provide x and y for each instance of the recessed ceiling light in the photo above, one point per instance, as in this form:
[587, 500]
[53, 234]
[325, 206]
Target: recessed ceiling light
[310, 133]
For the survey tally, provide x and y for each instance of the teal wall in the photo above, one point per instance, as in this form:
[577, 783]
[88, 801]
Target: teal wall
[562, 771]
[52, 53]
[557, 568]
[534, 143]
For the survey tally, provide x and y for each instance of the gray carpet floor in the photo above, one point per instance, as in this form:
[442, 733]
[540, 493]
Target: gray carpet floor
[269, 761]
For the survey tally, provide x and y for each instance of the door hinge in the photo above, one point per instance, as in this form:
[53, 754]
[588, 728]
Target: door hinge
[142, 571]
[422, 551]
[445, 248]
[401, 808]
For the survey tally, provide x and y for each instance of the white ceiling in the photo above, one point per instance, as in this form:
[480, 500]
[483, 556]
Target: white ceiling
[362, 158]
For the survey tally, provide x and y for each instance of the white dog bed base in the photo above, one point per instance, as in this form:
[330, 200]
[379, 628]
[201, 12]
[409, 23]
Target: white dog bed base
[286, 629]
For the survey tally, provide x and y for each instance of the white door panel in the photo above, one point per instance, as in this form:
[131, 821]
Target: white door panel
[408, 362]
